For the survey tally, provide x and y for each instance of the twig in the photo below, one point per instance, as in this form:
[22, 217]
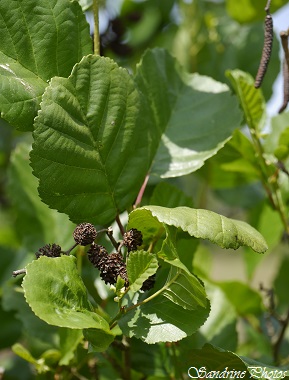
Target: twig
[277, 344]
[70, 249]
[109, 233]
[18, 272]
[141, 192]
[120, 226]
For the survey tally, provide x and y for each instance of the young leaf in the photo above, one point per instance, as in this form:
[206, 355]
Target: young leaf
[202, 224]
[86, 149]
[140, 266]
[41, 39]
[190, 109]
[251, 99]
[55, 292]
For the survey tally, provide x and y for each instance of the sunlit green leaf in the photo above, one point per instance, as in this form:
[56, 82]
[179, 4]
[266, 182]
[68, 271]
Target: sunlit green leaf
[55, 292]
[190, 109]
[203, 224]
[89, 140]
[140, 266]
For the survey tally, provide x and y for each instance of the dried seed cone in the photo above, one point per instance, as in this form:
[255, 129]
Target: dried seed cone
[49, 250]
[95, 254]
[149, 283]
[132, 239]
[110, 266]
[84, 234]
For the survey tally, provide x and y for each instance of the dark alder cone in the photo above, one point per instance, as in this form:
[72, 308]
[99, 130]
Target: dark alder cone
[95, 254]
[132, 239]
[84, 234]
[49, 250]
[149, 283]
[110, 266]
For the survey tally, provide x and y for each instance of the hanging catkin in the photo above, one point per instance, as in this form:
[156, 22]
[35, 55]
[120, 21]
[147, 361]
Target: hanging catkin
[267, 47]
[284, 40]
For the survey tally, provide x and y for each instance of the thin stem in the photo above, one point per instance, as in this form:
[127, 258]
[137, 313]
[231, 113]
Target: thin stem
[278, 342]
[141, 192]
[70, 249]
[16, 273]
[95, 8]
[120, 226]
[109, 233]
[267, 8]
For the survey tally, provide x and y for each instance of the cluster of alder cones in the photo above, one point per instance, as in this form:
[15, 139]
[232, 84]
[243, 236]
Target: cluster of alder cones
[110, 265]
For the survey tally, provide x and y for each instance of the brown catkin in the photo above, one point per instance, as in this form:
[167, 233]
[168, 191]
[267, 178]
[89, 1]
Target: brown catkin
[267, 50]
[285, 86]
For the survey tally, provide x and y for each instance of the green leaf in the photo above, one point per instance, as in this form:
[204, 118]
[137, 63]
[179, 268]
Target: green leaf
[245, 11]
[99, 340]
[140, 266]
[161, 320]
[251, 99]
[89, 140]
[181, 286]
[183, 289]
[56, 294]
[190, 109]
[202, 224]
[41, 39]
[36, 224]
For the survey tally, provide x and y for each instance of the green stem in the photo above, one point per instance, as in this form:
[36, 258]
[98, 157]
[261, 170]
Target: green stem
[273, 191]
[95, 8]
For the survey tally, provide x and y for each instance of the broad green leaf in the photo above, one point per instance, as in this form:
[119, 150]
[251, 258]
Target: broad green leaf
[191, 110]
[168, 195]
[36, 224]
[161, 320]
[140, 266]
[88, 154]
[41, 39]
[245, 11]
[55, 292]
[99, 340]
[202, 224]
[251, 99]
